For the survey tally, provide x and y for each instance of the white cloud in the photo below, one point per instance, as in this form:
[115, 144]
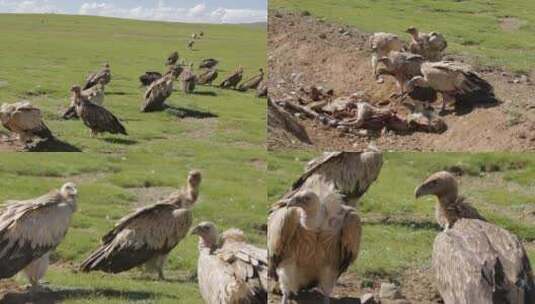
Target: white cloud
[197, 13]
[29, 7]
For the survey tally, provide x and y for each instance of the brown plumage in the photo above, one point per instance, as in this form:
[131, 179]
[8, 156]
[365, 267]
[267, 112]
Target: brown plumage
[188, 81]
[172, 58]
[233, 79]
[25, 120]
[381, 45]
[102, 76]
[94, 94]
[230, 271]
[149, 77]
[262, 89]
[311, 242]
[207, 77]
[159, 91]
[208, 63]
[347, 173]
[148, 235]
[475, 261]
[24, 244]
[429, 45]
[253, 82]
[98, 119]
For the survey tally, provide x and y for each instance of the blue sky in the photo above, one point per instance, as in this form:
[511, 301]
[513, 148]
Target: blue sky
[210, 11]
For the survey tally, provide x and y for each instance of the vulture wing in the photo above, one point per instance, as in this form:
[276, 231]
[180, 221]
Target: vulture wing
[349, 239]
[99, 119]
[28, 118]
[207, 77]
[31, 228]
[136, 238]
[283, 223]
[251, 83]
[94, 78]
[478, 262]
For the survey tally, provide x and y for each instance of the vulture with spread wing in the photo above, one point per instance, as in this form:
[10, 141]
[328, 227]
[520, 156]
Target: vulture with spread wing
[31, 229]
[232, 80]
[102, 76]
[207, 77]
[347, 173]
[455, 81]
[475, 261]
[25, 120]
[98, 119]
[159, 91]
[229, 270]
[148, 235]
[253, 82]
[311, 242]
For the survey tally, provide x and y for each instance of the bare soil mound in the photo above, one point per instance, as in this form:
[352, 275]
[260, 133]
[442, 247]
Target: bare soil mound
[305, 51]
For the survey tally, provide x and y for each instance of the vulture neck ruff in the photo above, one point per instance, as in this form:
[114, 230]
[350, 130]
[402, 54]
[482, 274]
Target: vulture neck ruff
[312, 217]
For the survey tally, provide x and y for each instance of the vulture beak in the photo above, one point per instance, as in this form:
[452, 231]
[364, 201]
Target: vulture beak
[420, 191]
[196, 230]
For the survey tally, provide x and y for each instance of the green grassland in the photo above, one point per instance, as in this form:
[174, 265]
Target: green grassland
[42, 56]
[472, 27]
[399, 230]
[48, 53]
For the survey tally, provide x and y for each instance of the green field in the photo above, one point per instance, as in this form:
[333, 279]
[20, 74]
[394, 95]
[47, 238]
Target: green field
[472, 27]
[43, 55]
[399, 230]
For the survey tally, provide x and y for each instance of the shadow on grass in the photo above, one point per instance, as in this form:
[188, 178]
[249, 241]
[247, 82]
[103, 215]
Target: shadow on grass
[412, 224]
[119, 93]
[55, 296]
[120, 141]
[314, 297]
[184, 113]
[205, 93]
[51, 145]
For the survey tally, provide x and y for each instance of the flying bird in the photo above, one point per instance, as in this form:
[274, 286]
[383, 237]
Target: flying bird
[97, 118]
[381, 45]
[475, 261]
[311, 242]
[172, 58]
[207, 77]
[230, 271]
[31, 229]
[159, 91]
[25, 120]
[102, 76]
[347, 173]
[253, 82]
[147, 236]
[455, 81]
[429, 45]
[233, 79]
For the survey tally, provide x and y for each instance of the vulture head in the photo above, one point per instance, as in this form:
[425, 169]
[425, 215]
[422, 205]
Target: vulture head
[417, 81]
[107, 65]
[194, 179]
[68, 190]
[412, 31]
[207, 233]
[440, 184]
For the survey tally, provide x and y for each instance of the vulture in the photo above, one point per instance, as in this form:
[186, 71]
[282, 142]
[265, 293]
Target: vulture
[97, 118]
[473, 260]
[429, 45]
[381, 45]
[311, 242]
[403, 67]
[232, 80]
[262, 89]
[149, 77]
[207, 77]
[208, 63]
[148, 235]
[455, 81]
[194, 36]
[229, 270]
[190, 44]
[159, 91]
[172, 58]
[347, 173]
[188, 81]
[31, 229]
[94, 94]
[253, 82]
[25, 120]
[103, 76]
[201, 33]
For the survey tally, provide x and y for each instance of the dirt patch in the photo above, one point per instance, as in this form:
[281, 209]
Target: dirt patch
[511, 24]
[417, 287]
[305, 51]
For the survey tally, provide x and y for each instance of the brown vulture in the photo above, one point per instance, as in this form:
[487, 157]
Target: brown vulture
[252, 83]
[232, 80]
[103, 76]
[25, 120]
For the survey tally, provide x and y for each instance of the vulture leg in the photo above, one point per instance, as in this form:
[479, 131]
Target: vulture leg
[374, 65]
[156, 264]
[36, 270]
[285, 298]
